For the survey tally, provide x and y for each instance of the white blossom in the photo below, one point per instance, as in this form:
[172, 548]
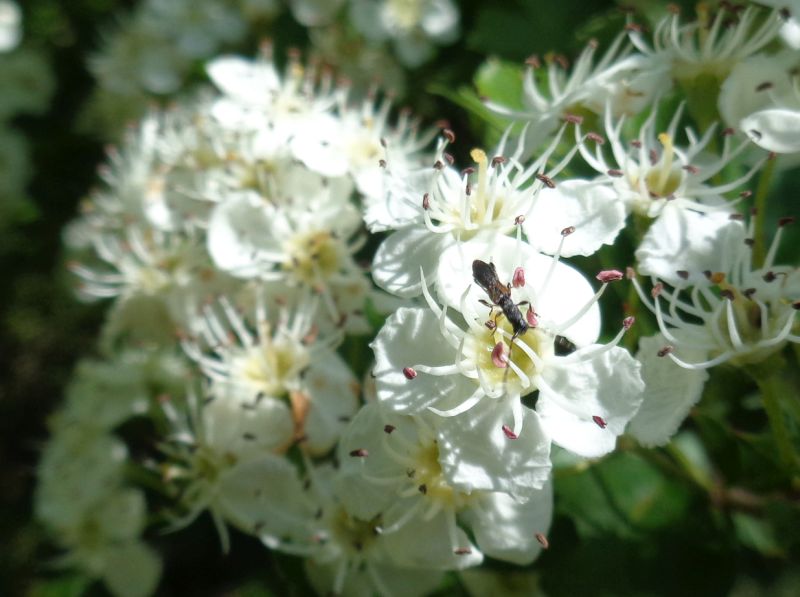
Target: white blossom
[623, 80]
[395, 469]
[429, 361]
[436, 208]
[275, 384]
[413, 26]
[737, 312]
[710, 45]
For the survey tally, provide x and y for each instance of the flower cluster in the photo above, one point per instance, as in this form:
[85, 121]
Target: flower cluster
[269, 230]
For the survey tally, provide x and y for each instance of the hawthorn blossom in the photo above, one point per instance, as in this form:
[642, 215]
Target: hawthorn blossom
[394, 468]
[96, 519]
[344, 553]
[736, 312]
[225, 456]
[358, 140]
[652, 171]
[712, 44]
[257, 97]
[429, 361]
[273, 386]
[624, 80]
[433, 209]
[310, 247]
[413, 27]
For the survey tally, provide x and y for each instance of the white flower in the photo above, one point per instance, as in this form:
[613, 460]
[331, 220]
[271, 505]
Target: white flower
[437, 208]
[411, 24]
[225, 456]
[652, 171]
[738, 312]
[713, 44]
[173, 271]
[625, 81]
[257, 97]
[345, 554]
[276, 385]
[308, 246]
[10, 25]
[358, 140]
[426, 360]
[394, 470]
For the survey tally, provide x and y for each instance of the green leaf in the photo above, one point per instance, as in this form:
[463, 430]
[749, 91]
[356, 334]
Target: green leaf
[624, 495]
[62, 586]
[501, 82]
[756, 534]
[690, 452]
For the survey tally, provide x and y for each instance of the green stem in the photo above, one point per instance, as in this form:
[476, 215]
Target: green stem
[762, 191]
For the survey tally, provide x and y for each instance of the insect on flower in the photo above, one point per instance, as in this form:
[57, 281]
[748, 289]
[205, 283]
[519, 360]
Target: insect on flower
[485, 276]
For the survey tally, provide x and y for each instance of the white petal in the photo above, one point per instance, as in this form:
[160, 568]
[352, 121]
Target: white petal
[334, 400]
[506, 529]
[244, 427]
[475, 453]
[409, 337]
[594, 210]
[236, 232]
[242, 79]
[670, 391]
[426, 543]
[556, 291]
[606, 385]
[318, 144]
[775, 129]
[363, 497]
[131, 570]
[399, 258]
[265, 497]
[686, 240]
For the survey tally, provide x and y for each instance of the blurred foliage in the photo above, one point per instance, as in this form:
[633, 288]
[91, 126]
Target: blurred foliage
[706, 516]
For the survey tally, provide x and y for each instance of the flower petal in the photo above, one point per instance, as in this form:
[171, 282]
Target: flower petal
[477, 455]
[774, 129]
[399, 258]
[590, 397]
[411, 336]
[236, 232]
[594, 210]
[507, 529]
[334, 400]
[686, 240]
[670, 391]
